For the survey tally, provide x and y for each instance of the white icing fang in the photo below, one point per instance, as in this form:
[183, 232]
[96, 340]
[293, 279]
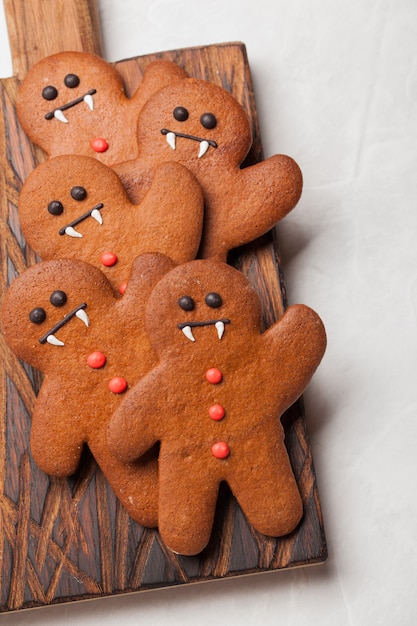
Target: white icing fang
[96, 215]
[54, 341]
[171, 140]
[220, 329]
[72, 232]
[204, 146]
[82, 315]
[188, 333]
[59, 115]
[88, 99]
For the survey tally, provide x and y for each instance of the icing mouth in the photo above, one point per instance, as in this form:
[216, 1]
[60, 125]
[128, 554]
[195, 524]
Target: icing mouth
[58, 113]
[205, 144]
[79, 312]
[186, 328]
[94, 213]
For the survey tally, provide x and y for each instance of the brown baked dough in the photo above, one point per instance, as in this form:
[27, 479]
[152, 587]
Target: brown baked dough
[75, 103]
[204, 321]
[75, 402]
[76, 207]
[202, 126]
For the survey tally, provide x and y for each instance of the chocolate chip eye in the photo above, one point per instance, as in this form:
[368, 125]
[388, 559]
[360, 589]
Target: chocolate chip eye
[49, 93]
[71, 80]
[180, 114]
[37, 315]
[208, 120]
[214, 300]
[78, 193]
[55, 207]
[186, 303]
[58, 298]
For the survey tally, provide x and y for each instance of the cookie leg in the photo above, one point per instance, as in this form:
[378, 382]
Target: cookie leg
[187, 502]
[57, 436]
[134, 484]
[268, 494]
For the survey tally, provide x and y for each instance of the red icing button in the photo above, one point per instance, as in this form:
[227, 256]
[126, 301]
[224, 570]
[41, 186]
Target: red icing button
[117, 384]
[220, 450]
[214, 375]
[96, 360]
[109, 259]
[216, 412]
[99, 144]
[122, 288]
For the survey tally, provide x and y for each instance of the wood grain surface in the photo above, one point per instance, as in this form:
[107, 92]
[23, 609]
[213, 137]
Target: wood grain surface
[69, 539]
[39, 28]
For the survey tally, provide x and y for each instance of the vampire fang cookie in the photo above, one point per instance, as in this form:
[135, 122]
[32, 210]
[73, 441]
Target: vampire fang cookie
[201, 126]
[75, 103]
[214, 402]
[63, 318]
[76, 207]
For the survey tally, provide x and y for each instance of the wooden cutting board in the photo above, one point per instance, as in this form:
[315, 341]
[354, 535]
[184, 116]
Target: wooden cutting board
[69, 539]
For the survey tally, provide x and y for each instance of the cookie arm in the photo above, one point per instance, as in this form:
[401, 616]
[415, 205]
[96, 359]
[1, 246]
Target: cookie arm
[133, 429]
[147, 269]
[297, 344]
[172, 212]
[256, 197]
[157, 74]
[277, 183]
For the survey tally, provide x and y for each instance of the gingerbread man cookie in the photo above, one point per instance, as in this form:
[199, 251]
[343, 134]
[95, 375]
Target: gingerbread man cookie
[202, 126]
[76, 207]
[215, 400]
[62, 318]
[75, 103]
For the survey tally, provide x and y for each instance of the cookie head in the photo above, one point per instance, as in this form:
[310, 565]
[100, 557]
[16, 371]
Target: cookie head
[201, 304]
[63, 91]
[194, 121]
[67, 206]
[48, 311]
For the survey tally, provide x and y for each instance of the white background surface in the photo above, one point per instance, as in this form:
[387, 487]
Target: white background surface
[336, 88]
